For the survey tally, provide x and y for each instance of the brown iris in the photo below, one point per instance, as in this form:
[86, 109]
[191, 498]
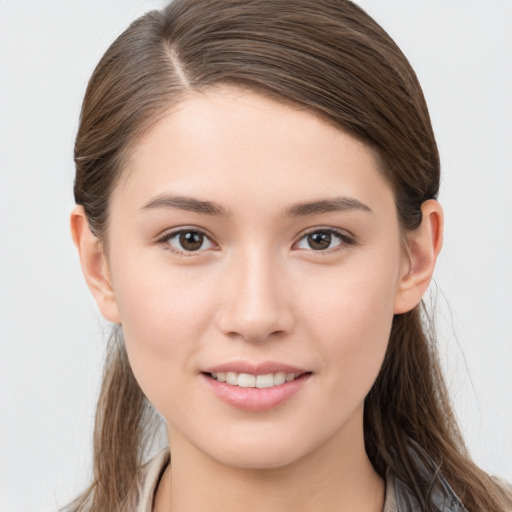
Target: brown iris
[191, 240]
[319, 240]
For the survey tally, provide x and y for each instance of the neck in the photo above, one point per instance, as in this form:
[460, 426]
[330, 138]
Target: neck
[336, 476]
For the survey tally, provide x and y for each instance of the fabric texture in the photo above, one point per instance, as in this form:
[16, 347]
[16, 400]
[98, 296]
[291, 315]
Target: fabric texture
[152, 472]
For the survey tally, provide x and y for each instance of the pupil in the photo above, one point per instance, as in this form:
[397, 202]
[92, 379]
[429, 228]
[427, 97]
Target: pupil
[191, 240]
[318, 241]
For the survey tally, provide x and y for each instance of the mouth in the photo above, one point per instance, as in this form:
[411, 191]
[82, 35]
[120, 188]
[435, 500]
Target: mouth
[248, 380]
[256, 392]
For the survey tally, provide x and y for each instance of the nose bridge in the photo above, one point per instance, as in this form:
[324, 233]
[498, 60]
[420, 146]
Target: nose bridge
[255, 303]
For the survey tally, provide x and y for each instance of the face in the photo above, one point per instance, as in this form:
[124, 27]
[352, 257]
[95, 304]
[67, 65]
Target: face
[250, 242]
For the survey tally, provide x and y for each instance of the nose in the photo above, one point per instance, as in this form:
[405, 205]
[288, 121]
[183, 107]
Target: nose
[256, 303]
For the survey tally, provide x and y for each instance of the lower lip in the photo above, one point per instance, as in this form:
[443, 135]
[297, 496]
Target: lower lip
[256, 399]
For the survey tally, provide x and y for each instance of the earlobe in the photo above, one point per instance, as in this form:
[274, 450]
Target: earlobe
[94, 265]
[424, 246]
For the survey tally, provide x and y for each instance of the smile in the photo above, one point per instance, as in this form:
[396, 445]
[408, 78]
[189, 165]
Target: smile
[248, 380]
[256, 392]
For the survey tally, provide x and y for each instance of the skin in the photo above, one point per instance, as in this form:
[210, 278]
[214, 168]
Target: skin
[257, 291]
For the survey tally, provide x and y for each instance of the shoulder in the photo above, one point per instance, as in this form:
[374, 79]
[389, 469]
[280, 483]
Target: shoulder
[401, 498]
[150, 477]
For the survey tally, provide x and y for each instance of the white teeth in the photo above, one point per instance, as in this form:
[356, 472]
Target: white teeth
[280, 378]
[247, 380]
[232, 378]
[265, 381]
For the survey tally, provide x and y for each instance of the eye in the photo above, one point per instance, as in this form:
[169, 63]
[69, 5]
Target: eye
[187, 240]
[323, 240]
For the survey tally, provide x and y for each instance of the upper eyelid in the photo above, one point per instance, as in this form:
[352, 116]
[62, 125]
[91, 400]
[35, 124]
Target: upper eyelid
[323, 228]
[342, 233]
[170, 233]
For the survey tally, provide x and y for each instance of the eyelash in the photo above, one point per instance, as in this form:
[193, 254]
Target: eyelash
[166, 238]
[345, 240]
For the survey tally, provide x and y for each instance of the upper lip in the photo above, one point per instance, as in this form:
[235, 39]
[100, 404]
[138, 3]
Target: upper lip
[262, 368]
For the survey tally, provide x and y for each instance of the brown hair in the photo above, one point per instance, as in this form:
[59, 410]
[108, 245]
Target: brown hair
[332, 58]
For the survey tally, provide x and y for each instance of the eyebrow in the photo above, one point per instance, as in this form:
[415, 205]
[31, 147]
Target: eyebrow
[337, 204]
[191, 204]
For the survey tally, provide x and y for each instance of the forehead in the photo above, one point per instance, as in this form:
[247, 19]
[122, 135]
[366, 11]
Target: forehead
[242, 146]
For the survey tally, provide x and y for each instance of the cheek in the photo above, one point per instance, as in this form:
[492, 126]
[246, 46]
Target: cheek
[163, 314]
[350, 317]
[161, 307]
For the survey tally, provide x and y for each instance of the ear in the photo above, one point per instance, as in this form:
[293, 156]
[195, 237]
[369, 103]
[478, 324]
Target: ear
[423, 247]
[94, 265]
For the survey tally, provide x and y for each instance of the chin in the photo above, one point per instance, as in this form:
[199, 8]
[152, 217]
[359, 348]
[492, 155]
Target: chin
[259, 451]
[260, 458]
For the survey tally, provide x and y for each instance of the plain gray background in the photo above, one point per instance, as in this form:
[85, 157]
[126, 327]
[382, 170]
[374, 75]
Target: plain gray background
[51, 335]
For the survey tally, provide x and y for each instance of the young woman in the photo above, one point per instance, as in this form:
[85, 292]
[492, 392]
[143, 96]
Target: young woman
[256, 214]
